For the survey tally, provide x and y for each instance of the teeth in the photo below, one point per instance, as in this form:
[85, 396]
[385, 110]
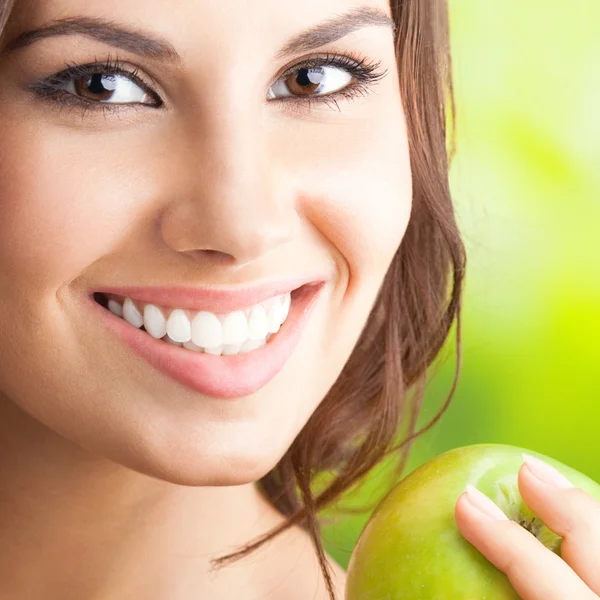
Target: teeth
[191, 346]
[237, 332]
[115, 308]
[154, 321]
[171, 341]
[178, 326]
[250, 345]
[215, 350]
[131, 314]
[274, 318]
[285, 307]
[207, 330]
[258, 326]
[235, 329]
[230, 349]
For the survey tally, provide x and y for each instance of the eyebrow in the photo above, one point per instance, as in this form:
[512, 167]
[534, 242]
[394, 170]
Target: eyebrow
[335, 29]
[132, 40]
[151, 46]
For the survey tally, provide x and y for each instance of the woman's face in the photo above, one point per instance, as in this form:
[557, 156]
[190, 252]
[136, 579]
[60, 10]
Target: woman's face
[200, 164]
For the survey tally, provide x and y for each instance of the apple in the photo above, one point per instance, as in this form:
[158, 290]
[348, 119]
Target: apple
[411, 548]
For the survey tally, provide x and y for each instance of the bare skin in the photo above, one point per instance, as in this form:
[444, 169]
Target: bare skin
[117, 481]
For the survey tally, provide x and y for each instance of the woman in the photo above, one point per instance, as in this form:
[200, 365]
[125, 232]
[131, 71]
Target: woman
[226, 243]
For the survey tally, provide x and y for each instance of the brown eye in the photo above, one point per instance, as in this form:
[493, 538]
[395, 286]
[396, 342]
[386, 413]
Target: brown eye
[313, 81]
[305, 81]
[96, 87]
[110, 88]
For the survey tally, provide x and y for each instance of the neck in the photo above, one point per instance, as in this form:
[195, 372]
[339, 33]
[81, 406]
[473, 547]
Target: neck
[88, 527]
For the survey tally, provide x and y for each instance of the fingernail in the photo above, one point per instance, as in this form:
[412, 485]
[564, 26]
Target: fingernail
[482, 503]
[544, 472]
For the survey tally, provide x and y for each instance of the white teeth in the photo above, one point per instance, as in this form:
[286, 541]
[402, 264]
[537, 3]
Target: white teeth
[217, 334]
[191, 346]
[229, 349]
[154, 321]
[178, 326]
[172, 342]
[268, 304]
[206, 330]
[274, 318]
[115, 308]
[131, 314]
[235, 329]
[285, 306]
[250, 345]
[258, 325]
[216, 350]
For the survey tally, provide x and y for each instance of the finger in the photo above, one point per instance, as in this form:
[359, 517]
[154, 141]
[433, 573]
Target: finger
[569, 512]
[535, 572]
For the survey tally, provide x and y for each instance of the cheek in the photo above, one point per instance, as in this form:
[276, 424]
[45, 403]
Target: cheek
[356, 190]
[361, 198]
[63, 205]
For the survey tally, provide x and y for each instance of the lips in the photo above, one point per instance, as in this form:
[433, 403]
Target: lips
[224, 377]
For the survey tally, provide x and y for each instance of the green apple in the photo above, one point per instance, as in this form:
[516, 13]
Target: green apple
[411, 548]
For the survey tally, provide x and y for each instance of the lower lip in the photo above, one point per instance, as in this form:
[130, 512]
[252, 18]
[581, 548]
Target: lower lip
[232, 376]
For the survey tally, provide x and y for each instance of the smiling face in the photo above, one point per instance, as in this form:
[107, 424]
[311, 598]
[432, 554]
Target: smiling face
[201, 158]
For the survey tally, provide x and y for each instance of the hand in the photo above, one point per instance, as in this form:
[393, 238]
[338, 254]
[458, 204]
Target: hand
[535, 572]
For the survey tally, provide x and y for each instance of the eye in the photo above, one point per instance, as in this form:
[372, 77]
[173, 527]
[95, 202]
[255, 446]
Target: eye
[111, 88]
[324, 79]
[311, 81]
[98, 85]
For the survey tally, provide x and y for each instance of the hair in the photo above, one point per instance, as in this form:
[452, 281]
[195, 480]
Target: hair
[379, 392]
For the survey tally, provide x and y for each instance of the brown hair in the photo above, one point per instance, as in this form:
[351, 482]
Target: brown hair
[5, 8]
[379, 393]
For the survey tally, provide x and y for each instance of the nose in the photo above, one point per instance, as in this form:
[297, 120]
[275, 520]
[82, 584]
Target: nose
[235, 208]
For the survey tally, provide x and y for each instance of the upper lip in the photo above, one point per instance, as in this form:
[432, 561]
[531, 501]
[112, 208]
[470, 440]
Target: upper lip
[213, 299]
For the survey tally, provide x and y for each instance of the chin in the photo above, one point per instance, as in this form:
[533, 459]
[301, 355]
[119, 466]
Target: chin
[199, 465]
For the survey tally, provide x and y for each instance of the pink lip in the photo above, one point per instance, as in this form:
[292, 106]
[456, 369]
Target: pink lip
[233, 376]
[217, 300]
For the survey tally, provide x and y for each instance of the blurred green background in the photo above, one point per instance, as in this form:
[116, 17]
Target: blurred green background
[526, 183]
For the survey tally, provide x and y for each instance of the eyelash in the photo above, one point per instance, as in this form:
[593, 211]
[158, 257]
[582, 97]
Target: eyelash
[364, 73]
[51, 88]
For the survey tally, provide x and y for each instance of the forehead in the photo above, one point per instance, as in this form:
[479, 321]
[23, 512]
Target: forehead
[199, 25]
